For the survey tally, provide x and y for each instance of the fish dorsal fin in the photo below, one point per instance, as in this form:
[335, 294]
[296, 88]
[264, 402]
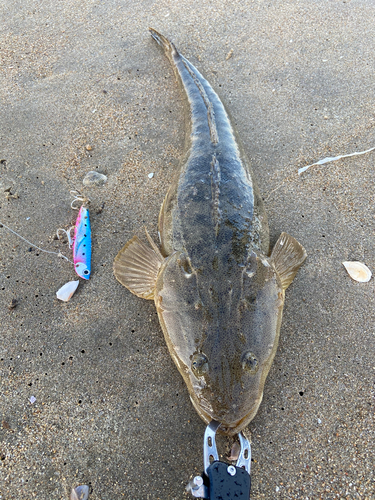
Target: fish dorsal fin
[287, 255]
[136, 267]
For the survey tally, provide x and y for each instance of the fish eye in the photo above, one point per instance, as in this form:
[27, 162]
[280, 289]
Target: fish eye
[86, 271]
[250, 363]
[185, 266]
[199, 364]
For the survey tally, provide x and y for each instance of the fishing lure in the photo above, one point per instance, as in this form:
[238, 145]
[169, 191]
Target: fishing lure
[82, 244]
[82, 240]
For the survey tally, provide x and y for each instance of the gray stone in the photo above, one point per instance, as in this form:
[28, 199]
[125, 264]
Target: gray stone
[94, 179]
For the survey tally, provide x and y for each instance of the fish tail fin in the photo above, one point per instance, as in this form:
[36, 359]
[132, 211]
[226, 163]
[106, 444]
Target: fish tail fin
[168, 46]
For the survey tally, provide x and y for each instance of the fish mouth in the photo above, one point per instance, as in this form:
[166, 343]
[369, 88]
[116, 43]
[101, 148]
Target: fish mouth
[232, 427]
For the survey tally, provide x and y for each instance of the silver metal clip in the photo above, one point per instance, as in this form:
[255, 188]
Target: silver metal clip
[196, 486]
[244, 459]
[209, 445]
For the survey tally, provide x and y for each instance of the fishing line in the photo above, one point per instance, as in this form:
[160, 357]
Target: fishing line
[59, 254]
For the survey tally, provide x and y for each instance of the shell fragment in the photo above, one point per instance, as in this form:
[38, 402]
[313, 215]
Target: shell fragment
[80, 493]
[66, 292]
[358, 271]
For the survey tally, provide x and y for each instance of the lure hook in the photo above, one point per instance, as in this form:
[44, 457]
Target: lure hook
[77, 196]
[67, 234]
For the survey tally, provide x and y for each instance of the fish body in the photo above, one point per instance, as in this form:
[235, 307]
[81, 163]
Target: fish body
[218, 294]
[82, 244]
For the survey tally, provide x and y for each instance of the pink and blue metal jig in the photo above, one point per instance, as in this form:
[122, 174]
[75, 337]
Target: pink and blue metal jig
[81, 241]
[82, 244]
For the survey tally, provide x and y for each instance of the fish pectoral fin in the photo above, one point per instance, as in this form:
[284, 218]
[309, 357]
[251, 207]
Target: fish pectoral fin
[136, 267]
[287, 255]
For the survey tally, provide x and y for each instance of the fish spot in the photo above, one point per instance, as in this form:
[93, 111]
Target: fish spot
[199, 364]
[242, 306]
[250, 363]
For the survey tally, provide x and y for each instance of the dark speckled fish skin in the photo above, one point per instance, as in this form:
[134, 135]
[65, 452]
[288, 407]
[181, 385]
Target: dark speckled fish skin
[213, 168]
[213, 224]
[219, 297]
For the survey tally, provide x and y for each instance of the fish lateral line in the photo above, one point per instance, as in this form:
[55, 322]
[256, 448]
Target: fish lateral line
[215, 190]
[210, 109]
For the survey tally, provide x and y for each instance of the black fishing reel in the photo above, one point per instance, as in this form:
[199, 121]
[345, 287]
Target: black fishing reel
[221, 481]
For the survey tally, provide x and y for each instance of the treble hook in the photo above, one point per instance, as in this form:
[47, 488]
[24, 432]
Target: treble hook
[67, 234]
[77, 196]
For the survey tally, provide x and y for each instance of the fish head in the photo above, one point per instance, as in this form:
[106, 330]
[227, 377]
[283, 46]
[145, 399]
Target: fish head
[82, 270]
[222, 331]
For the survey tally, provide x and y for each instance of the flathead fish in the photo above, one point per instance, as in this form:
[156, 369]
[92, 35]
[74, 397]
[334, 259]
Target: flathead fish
[218, 293]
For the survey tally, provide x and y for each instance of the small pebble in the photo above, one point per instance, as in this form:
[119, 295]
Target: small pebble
[88, 147]
[10, 195]
[150, 176]
[319, 421]
[229, 55]
[6, 425]
[100, 209]
[13, 304]
[94, 179]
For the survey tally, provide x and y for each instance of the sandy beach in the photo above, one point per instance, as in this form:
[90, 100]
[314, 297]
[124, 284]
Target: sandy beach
[88, 391]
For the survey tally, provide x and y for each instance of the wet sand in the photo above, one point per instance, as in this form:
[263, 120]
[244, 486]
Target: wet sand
[110, 408]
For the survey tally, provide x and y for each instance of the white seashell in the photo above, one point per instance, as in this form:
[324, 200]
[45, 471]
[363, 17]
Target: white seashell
[358, 271]
[80, 493]
[66, 292]
[94, 179]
